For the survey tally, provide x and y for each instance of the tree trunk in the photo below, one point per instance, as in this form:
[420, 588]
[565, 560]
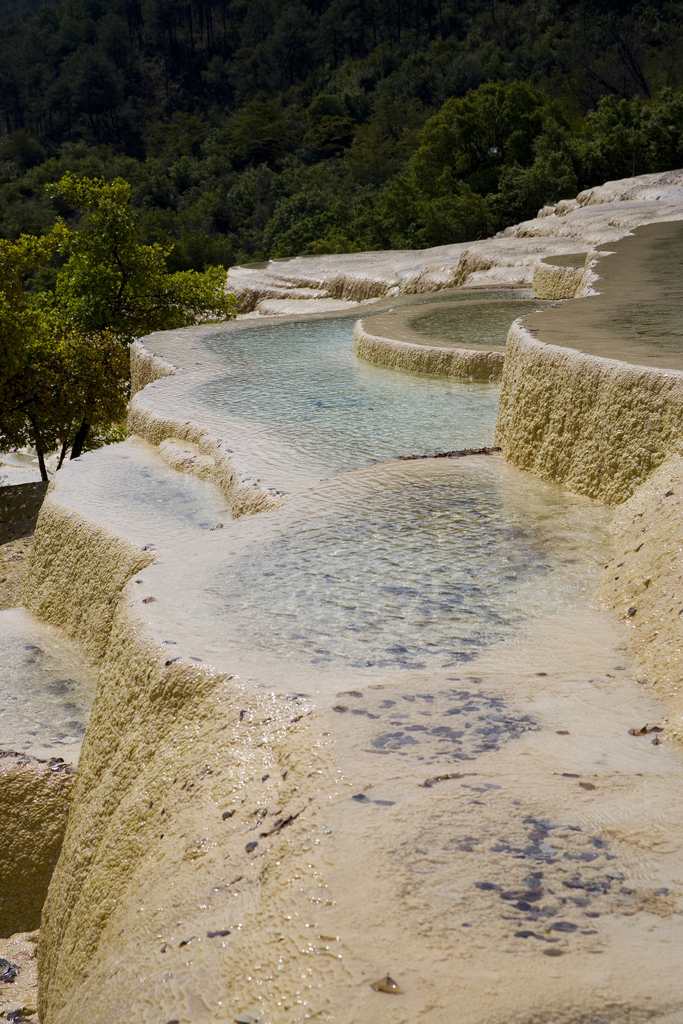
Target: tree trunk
[41, 463]
[80, 439]
[62, 454]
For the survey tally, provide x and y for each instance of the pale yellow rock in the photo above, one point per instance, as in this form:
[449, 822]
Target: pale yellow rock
[84, 560]
[34, 806]
[145, 368]
[557, 282]
[643, 584]
[467, 364]
[187, 458]
[599, 426]
[151, 868]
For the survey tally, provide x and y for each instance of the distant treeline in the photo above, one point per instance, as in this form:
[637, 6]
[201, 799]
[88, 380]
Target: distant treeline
[253, 128]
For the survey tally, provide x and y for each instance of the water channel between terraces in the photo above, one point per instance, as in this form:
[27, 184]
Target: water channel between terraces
[498, 841]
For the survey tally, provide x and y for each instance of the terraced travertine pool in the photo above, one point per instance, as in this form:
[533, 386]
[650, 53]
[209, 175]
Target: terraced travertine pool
[297, 405]
[465, 802]
[637, 315]
[417, 565]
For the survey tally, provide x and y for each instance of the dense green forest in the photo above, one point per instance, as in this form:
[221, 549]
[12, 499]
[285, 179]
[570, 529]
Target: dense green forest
[255, 128]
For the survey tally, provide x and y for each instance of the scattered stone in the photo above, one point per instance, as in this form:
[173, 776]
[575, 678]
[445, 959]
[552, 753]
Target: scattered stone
[428, 783]
[9, 971]
[281, 823]
[386, 984]
[460, 454]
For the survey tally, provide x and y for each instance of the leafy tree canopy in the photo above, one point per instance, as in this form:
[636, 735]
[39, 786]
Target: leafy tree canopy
[64, 351]
[248, 130]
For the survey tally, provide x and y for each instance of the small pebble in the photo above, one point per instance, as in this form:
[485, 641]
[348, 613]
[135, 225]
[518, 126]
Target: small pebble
[386, 984]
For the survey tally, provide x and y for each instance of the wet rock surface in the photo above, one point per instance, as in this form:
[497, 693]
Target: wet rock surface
[46, 688]
[447, 725]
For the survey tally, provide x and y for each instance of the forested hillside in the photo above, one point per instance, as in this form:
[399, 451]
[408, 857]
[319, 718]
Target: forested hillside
[253, 128]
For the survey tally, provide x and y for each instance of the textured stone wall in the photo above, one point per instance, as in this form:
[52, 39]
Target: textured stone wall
[643, 583]
[599, 426]
[76, 573]
[155, 863]
[34, 806]
[469, 364]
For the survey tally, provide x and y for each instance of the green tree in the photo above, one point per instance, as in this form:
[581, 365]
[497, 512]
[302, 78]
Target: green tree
[331, 128]
[382, 146]
[64, 353]
[472, 138]
[20, 319]
[65, 377]
[260, 133]
[110, 282]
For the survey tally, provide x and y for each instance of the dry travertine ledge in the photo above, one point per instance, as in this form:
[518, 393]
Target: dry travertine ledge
[163, 730]
[613, 430]
[595, 218]
[599, 426]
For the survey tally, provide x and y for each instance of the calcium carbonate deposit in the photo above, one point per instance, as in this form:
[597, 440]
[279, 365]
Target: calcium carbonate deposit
[387, 680]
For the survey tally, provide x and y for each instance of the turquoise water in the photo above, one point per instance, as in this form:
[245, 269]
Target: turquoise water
[324, 408]
[474, 323]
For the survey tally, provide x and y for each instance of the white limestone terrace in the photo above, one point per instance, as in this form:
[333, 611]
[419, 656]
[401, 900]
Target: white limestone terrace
[191, 412]
[272, 408]
[175, 900]
[595, 218]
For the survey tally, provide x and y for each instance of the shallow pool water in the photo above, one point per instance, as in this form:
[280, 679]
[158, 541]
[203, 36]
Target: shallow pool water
[46, 688]
[413, 566]
[326, 411]
[637, 315]
[473, 323]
